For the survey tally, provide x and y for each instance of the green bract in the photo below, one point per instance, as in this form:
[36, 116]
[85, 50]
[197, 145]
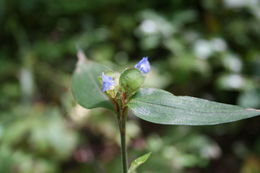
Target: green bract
[131, 80]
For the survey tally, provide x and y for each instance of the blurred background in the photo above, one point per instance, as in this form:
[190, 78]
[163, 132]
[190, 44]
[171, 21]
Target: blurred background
[203, 48]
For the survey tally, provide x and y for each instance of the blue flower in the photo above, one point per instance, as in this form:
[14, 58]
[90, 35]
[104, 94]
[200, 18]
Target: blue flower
[143, 65]
[107, 82]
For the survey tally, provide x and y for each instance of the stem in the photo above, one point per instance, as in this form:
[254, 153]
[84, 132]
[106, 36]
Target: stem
[122, 127]
[123, 150]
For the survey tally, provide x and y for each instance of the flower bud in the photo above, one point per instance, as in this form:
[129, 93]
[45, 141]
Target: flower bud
[131, 80]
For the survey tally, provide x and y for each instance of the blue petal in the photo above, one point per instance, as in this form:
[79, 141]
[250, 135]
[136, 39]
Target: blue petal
[107, 82]
[143, 65]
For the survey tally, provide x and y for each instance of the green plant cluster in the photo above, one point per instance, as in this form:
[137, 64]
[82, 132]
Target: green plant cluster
[208, 49]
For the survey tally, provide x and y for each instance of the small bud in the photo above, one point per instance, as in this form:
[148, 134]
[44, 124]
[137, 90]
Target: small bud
[131, 80]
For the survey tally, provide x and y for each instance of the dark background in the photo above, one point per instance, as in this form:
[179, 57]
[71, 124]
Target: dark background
[203, 48]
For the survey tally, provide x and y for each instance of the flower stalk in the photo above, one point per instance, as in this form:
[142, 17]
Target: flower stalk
[123, 143]
[122, 112]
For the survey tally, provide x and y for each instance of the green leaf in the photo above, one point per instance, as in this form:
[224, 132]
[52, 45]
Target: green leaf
[139, 161]
[86, 87]
[159, 106]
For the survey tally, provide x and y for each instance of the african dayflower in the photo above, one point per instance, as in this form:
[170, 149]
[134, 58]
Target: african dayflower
[107, 82]
[150, 104]
[143, 65]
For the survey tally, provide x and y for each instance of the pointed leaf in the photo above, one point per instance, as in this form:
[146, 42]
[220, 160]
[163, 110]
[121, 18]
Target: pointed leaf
[86, 87]
[139, 161]
[162, 107]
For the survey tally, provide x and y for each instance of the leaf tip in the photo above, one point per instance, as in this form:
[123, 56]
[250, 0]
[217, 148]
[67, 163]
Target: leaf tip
[81, 60]
[251, 109]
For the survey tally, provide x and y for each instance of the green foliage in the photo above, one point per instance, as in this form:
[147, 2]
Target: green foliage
[154, 105]
[28, 140]
[162, 107]
[86, 86]
[138, 162]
